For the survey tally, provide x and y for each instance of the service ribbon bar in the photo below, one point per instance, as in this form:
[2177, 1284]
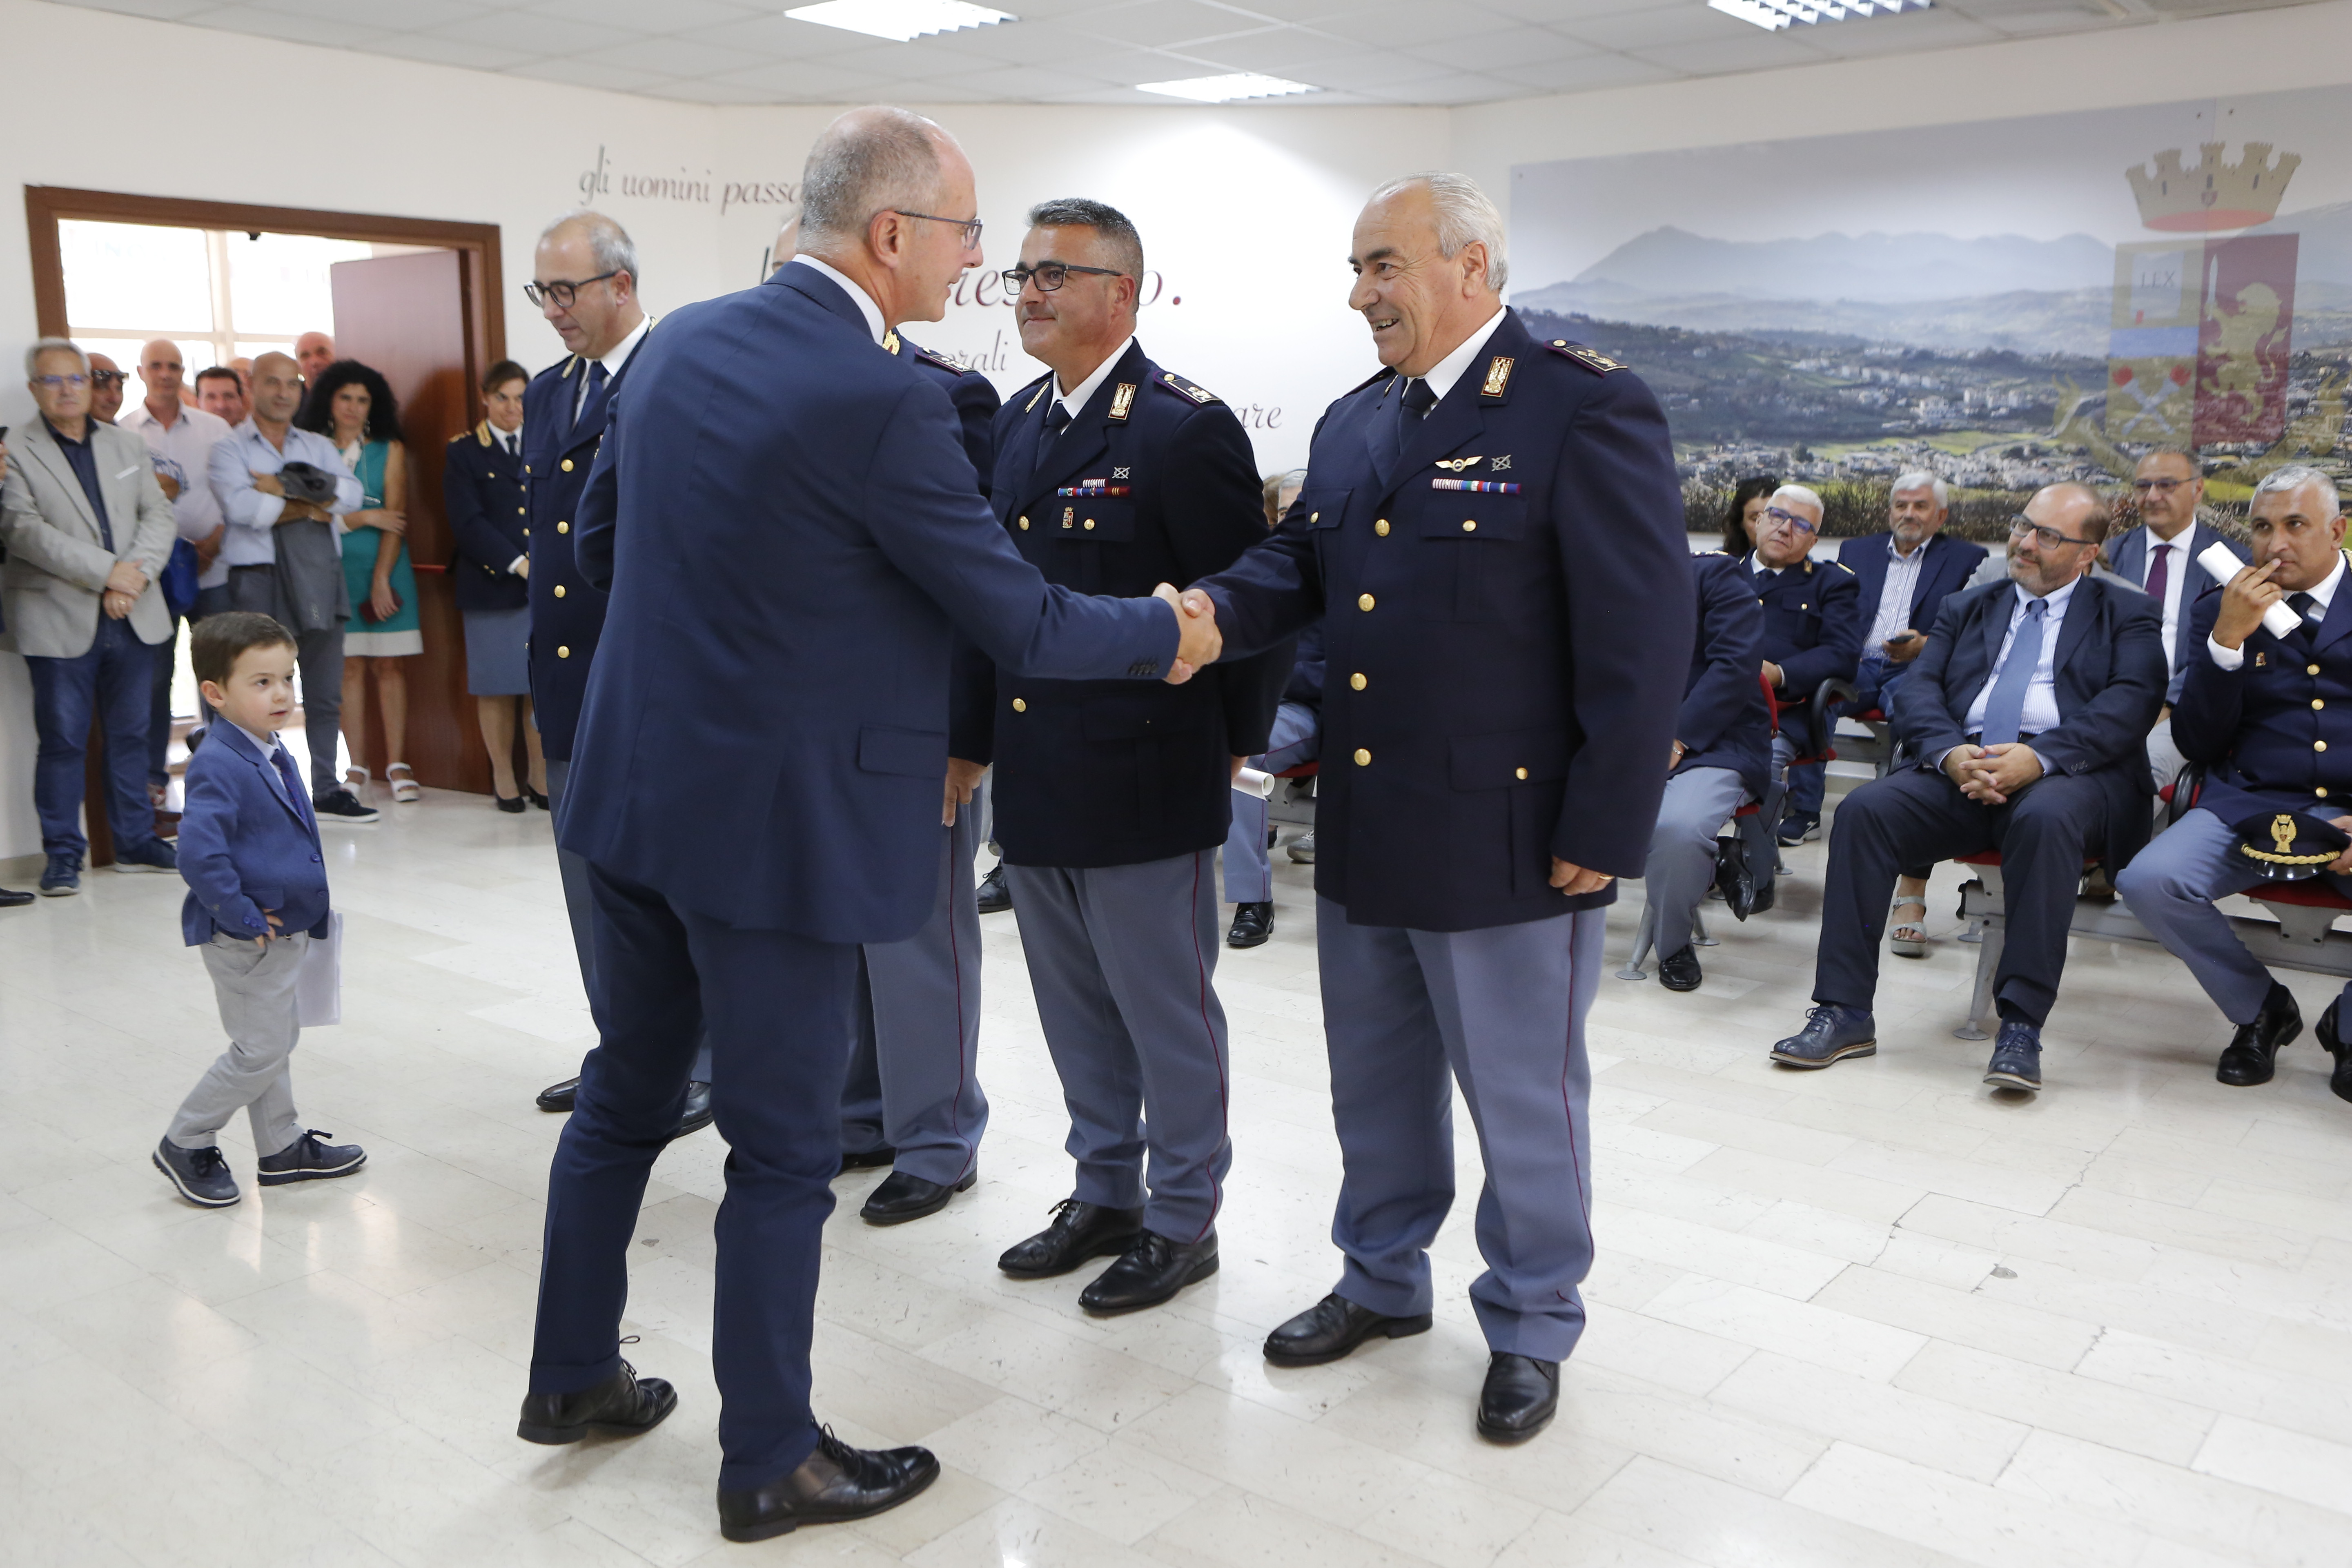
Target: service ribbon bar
[1095, 490]
[1476, 487]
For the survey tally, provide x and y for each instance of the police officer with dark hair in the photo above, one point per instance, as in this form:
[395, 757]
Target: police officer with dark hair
[486, 497]
[1492, 532]
[1112, 798]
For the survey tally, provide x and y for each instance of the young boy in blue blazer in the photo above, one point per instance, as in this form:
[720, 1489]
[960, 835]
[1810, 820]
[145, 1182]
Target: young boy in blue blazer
[257, 898]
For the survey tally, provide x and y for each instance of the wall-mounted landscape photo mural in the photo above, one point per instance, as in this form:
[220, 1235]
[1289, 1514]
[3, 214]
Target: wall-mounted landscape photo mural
[2007, 302]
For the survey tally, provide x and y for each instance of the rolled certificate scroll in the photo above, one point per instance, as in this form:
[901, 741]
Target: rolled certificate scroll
[2280, 620]
[1249, 780]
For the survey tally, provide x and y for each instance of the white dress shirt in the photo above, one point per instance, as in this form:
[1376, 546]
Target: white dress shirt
[184, 450]
[1077, 397]
[2321, 598]
[2041, 695]
[1447, 371]
[2176, 569]
[1894, 598]
[849, 285]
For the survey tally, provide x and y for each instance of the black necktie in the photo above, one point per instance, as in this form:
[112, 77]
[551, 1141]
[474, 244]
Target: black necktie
[594, 396]
[1057, 419]
[2301, 604]
[1419, 399]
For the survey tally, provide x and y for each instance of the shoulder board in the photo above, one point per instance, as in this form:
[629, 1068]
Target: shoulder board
[1036, 389]
[1191, 390]
[1703, 554]
[571, 362]
[459, 436]
[1593, 360]
[1839, 566]
[1379, 375]
[934, 357]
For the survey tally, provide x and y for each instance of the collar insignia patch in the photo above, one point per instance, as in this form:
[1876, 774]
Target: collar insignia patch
[1122, 399]
[1499, 376]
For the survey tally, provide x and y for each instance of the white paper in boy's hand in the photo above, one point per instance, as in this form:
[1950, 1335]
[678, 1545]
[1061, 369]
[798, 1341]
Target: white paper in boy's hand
[2280, 620]
[318, 983]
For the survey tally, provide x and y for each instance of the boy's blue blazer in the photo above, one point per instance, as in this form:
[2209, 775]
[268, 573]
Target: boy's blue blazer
[245, 849]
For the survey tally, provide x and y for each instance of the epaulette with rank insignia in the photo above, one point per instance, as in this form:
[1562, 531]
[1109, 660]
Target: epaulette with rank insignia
[1040, 384]
[1380, 374]
[1704, 553]
[1841, 566]
[1593, 360]
[933, 356]
[1178, 385]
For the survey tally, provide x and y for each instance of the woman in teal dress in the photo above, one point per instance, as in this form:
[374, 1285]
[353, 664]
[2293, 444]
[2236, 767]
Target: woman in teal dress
[352, 406]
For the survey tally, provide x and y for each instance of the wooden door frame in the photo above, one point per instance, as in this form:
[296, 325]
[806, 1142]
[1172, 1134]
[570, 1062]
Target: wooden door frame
[477, 245]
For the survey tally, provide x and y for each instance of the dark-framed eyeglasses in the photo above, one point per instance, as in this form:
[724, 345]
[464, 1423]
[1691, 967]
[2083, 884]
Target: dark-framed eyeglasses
[59, 382]
[1792, 520]
[2159, 487]
[109, 377]
[2048, 538]
[1049, 276]
[563, 293]
[971, 226]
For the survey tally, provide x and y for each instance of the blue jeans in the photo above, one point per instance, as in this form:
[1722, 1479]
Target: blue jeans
[113, 682]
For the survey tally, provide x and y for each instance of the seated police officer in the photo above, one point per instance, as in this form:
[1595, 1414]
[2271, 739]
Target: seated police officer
[2270, 719]
[2026, 720]
[1722, 755]
[1812, 632]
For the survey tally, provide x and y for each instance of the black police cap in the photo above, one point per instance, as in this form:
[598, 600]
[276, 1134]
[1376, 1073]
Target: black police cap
[2289, 845]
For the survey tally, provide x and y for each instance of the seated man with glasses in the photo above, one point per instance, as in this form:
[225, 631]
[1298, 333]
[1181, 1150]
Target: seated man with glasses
[2160, 557]
[2026, 720]
[1813, 622]
[2266, 715]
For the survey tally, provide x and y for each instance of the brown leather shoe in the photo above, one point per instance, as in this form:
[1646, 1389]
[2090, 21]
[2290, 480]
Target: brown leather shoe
[834, 1484]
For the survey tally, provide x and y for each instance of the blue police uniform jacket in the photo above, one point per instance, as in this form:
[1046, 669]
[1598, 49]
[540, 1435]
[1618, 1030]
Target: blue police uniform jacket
[1306, 684]
[1501, 662]
[2275, 734]
[2107, 677]
[1153, 481]
[567, 611]
[487, 500]
[1945, 565]
[1813, 622]
[975, 402]
[246, 850]
[787, 523]
[1723, 722]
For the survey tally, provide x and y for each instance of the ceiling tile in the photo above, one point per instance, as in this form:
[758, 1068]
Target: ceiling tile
[809, 81]
[407, 17]
[1285, 52]
[454, 52]
[1758, 51]
[1406, 28]
[1374, 71]
[1154, 23]
[1681, 23]
[541, 34]
[671, 15]
[1459, 86]
[593, 73]
[1915, 32]
[707, 92]
[2034, 23]
[157, 10]
[909, 62]
[1018, 84]
[667, 57]
[1587, 73]
[1493, 51]
[300, 29]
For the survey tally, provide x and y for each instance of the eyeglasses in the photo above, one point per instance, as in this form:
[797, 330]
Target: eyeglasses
[563, 293]
[2158, 486]
[1049, 276]
[59, 382]
[971, 226]
[1791, 520]
[2049, 538]
[110, 377]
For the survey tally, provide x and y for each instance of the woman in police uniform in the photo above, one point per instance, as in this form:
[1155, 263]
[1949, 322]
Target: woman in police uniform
[482, 485]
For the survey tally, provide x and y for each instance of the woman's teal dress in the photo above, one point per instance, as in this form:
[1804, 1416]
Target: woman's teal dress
[403, 634]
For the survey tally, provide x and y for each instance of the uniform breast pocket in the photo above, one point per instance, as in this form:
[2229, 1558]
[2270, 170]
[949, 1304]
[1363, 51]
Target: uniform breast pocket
[1320, 506]
[1528, 767]
[1469, 539]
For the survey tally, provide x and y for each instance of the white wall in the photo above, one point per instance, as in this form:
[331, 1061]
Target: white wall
[1244, 211]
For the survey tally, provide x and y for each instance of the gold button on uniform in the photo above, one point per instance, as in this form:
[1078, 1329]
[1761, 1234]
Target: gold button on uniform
[2311, 669]
[1024, 522]
[563, 653]
[1364, 758]
[1363, 601]
[562, 528]
[1519, 772]
[1019, 706]
[559, 590]
[1090, 522]
[2321, 792]
[1313, 517]
[2316, 705]
[522, 511]
[1469, 525]
[1358, 681]
[567, 465]
[1381, 528]
[2319, 745]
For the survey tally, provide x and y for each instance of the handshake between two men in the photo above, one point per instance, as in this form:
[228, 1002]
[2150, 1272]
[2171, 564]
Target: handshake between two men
[1198, 641]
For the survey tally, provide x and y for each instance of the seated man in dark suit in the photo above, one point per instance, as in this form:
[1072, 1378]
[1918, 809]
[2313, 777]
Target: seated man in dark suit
[2270, 719]
[2028, 714]
[1722, 758]
[1812, 633]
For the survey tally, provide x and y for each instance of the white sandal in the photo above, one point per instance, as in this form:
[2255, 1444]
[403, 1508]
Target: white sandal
[404, 787]
[1914, 943]
[355, 779]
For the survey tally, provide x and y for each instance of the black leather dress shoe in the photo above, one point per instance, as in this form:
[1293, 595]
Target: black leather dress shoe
[995, 893]
[2341, 1079]
[699, 1114]
[868, 1159]
[623, 1402]
[835, 1484]
[1149, 1272]
[2248, 1060]
[1521, 1396]
[901, 1198]
[1252, 923]
[1680, 971]
[12, 897]
[1331, 1328]
[559, 1096]
[1079, 1231]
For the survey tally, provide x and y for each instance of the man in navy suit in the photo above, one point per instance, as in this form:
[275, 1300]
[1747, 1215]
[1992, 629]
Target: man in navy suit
[2270, 719]
[1721, 758]
[2027, 715]
[1113, 797]
[584, 282]
[1494, 528]
[2160, 556]
[772, 467]
[1812, 632]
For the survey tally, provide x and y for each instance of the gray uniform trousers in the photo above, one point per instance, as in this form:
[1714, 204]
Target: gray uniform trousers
[913, 1083]
[2171, 886]
[320, 657]
[1681, 866]
[1122, 959]
[255, 988]
[1503, 1007]
[581, 906]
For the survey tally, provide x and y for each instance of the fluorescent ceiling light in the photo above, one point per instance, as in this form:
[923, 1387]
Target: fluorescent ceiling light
[1774, 15]
[903, 20]
[1226, 89]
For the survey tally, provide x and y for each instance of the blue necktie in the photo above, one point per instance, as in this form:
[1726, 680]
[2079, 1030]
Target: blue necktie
[294, 790]
[1057, 419]
[2005, 709]
[1412, 408]
[595, 399]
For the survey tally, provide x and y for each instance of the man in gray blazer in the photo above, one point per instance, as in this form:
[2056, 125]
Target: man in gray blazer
[2159, 558]
[88, 532]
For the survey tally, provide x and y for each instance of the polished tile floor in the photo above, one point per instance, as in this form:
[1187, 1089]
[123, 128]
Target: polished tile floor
[1873, 1316]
